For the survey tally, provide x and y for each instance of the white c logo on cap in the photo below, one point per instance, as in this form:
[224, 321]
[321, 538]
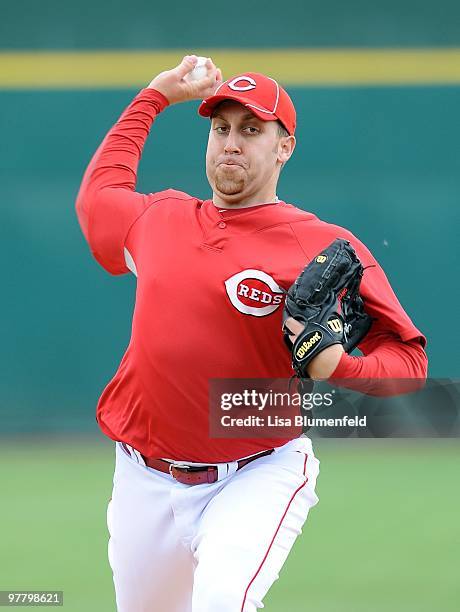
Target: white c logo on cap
[251, 83]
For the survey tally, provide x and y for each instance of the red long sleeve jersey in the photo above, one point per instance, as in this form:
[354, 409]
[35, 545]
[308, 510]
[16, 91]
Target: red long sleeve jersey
[209, 298]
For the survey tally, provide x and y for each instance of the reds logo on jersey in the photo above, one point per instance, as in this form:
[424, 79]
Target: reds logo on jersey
[254, 292]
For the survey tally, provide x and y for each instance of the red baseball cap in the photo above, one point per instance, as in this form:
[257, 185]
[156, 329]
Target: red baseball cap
[261, 94]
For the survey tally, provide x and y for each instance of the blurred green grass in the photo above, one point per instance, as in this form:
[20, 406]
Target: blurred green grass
[384, 537]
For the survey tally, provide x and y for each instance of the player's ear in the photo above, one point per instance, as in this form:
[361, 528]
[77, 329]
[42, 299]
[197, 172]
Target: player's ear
[286, 146]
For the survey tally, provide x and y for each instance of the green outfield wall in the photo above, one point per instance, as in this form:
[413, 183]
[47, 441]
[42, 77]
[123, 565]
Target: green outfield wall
[143, 24]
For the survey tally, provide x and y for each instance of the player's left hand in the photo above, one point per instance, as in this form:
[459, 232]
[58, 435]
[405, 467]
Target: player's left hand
[324, 313]
[175, 86]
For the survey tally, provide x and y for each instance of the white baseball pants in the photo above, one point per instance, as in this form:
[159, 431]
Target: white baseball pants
[210, 547]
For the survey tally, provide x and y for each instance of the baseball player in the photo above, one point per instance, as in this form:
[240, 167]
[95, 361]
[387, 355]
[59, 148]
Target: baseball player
[200, 524]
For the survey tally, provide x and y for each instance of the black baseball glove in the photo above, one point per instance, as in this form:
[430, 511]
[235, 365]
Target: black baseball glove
[325, 298]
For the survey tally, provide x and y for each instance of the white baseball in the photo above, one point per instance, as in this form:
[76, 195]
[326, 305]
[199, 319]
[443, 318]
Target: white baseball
[199, 71]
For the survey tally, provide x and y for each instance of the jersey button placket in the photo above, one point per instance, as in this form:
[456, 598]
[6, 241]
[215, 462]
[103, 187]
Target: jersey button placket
[222, 225]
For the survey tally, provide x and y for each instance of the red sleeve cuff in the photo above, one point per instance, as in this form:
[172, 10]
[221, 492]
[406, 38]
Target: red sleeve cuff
[348, 367]
[148, 93]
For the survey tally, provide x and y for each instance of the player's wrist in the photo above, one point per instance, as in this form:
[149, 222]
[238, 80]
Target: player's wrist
[156, 95]
[325, 363]
[152, 86]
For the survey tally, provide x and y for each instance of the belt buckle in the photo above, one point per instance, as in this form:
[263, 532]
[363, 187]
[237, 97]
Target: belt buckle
[180, 466]
[189, 470]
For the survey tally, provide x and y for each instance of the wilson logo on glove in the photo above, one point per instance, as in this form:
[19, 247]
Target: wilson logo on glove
[254, 292]
[335, 325]
[308, 344]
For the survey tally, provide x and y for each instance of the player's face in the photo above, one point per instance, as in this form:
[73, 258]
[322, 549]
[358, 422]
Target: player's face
[244, 155]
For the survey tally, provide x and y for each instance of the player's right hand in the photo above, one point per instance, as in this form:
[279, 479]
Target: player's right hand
[174, 85]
